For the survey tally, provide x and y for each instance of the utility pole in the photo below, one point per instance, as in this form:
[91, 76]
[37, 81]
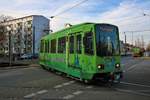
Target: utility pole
[125, 44]
[10, 50]
[132, 38]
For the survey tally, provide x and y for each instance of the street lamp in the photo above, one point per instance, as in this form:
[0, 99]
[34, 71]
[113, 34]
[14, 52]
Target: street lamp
[10, 50]
[51, 17]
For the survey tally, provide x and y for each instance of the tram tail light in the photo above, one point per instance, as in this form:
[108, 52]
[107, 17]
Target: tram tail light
[117, 65]
[100, 66]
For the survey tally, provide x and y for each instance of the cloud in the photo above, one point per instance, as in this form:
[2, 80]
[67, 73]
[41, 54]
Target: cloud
[122, 14]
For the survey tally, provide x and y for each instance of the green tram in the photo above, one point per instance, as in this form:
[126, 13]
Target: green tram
[86, 51]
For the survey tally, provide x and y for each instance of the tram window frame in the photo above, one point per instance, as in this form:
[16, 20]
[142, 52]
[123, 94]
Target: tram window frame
[53, 46]
[88, 47]
[71, 44]
[79, 45]
[49, 46]
[62, 45]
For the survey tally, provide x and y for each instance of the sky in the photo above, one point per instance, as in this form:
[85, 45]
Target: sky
[126, 14]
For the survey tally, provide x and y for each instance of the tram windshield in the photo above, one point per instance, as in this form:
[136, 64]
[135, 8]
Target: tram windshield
[107, 40]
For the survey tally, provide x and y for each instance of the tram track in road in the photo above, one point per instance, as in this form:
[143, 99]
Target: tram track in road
[135, 88]
[72, 91]
[130, 64]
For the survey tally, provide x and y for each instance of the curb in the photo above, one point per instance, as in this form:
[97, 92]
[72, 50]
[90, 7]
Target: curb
[146, 58]
[16, 67]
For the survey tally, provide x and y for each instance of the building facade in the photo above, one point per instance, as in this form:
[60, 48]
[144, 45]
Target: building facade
[25, 34]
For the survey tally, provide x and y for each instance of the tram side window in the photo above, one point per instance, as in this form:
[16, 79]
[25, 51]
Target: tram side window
[78, 44]
[45, 48]
[42, 46]
[88, 43]
[62, 45]
[71, 44]
[53, 46]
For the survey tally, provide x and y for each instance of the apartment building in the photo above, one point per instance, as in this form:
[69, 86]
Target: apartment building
[25, 33]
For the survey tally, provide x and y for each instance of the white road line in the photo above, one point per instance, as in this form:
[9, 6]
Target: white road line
[135, 84]
[71, 82]
[34, 94]
[58, 86]
[68, 83]
[42, 91]
[131, 67]
[30, 95]
[77, 92]
[72, 95]
[64, 84]
[89, 87]
[144, 90]
[68, 96]
[133, 92]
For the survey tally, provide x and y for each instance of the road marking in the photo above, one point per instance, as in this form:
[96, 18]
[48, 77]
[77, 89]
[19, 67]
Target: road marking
[58, 86]
[127, 83]
[144, 90]
[89, 87]
[72, 95]
[68, 96]
[77, 92]
[34, 94]
[42, 91]
[64, 84]
[71, 82]
[30, 95]
[132, 67]
[133, 92]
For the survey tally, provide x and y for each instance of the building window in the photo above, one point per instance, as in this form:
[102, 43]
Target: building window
[88, 42]
[53, 46]
[62, 45]
[78, 46]
[71, 44]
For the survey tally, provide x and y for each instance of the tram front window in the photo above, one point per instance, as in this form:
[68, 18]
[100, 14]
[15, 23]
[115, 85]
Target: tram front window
[107, 40]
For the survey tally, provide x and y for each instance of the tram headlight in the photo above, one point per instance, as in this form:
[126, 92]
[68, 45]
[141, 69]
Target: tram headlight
[117, 65]
[100, 66]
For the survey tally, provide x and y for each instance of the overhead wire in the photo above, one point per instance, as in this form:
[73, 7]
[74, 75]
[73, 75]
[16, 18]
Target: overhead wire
[66, 10]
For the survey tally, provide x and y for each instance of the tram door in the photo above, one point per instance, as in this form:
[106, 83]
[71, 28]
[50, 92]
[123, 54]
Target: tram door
[74, 50]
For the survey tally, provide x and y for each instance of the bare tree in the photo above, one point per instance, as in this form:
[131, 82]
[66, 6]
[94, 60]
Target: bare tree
[4, 18]
[2, 38]
[148, 47]
[3, 31]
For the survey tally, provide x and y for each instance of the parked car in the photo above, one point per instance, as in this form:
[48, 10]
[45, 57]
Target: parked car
[26, 56]
[29, 56]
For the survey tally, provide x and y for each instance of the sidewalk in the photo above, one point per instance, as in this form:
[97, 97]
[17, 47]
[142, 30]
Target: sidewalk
[4, 63]
[146, 58]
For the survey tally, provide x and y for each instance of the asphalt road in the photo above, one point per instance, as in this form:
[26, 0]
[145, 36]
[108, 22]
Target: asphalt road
[34, 83]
